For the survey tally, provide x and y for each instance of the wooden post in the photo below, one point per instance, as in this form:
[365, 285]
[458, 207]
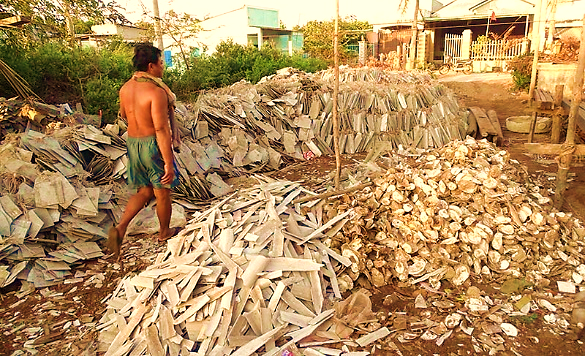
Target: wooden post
[555, 136]
[535, 45]
[566, 155]
[532, 126]
[335, 94]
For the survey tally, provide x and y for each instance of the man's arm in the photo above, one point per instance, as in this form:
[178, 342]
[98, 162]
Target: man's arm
[160, 120]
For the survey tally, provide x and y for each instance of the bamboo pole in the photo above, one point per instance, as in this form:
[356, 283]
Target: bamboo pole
[535, 45]
[335, 94]
[566, 156]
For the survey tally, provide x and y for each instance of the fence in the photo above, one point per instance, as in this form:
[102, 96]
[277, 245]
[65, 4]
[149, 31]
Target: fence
[452, 50]
[496, 49]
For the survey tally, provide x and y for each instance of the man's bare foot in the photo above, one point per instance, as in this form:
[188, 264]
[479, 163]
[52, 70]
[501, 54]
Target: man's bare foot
[171, 232]
[114, 242]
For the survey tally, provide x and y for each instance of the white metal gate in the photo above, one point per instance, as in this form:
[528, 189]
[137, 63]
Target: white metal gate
[452, 50]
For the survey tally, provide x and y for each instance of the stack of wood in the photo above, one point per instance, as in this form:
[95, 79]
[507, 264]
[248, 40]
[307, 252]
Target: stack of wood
[486, 125]
[250, 274]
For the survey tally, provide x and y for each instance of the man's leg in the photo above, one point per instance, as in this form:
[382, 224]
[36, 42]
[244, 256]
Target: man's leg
[163, 211]
[135, 204]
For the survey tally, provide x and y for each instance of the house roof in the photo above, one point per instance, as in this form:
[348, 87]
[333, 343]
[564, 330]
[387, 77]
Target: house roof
[473, 9]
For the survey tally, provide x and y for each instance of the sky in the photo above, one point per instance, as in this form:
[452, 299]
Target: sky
[291, 12]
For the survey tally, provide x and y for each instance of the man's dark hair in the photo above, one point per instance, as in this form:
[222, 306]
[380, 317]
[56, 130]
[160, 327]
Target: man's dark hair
[145, 53]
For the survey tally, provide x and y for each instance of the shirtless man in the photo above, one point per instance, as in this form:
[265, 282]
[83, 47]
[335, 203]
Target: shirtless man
[144, 103]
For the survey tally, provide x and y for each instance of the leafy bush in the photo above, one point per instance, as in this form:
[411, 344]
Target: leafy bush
[68, 73]
[521, 67]
[232, 62]
[63, 73]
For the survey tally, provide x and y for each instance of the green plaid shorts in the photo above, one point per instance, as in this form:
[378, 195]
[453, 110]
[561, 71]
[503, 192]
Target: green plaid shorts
[145, 164]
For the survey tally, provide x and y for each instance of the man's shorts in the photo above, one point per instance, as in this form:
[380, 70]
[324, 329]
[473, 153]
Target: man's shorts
[145, 164]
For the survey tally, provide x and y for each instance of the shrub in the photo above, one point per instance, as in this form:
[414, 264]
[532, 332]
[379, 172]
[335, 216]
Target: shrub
[65, 73]
[521, 67]
[233, 62]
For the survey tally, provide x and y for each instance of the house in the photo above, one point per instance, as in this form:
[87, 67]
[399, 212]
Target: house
[394, 34]
[489, 32]
[105, 31]
[466, 28]
[244, 25]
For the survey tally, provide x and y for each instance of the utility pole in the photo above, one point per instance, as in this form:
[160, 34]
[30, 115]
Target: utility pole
[535, 44]
[157, 27]
[551, 24]
[412, 52]
[335, 94]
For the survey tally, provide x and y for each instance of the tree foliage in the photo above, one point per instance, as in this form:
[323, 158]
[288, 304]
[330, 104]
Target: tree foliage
[50, 19]
[318, 37]
[181, 28]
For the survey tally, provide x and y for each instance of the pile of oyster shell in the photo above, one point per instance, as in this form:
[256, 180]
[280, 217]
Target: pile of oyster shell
[464, 209]
[463, 214]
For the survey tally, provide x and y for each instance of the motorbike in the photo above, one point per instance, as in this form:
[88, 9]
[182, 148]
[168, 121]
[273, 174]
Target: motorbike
[465, 66]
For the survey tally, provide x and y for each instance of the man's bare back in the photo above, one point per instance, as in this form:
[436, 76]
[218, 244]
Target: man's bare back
[143, 104]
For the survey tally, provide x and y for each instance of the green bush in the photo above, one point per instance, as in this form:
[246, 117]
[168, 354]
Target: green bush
[521, 67]
[62, 73]
[232, 62]
[65, 73]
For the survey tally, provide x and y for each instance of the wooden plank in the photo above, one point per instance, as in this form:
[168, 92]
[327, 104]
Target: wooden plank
[551, 149]
[199, 302]
[326, 226]
[496, 123]
[153, 343]
[296, 304]
[292, 264]
[483, 122]
[255, 344]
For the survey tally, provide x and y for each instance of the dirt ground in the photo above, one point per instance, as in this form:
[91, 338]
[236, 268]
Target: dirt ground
[68, 313]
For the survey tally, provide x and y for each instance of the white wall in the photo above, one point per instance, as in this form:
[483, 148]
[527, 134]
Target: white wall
[128, 33]
[232, 25]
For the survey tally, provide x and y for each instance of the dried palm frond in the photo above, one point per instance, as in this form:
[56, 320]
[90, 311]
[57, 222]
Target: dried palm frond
[17, 83]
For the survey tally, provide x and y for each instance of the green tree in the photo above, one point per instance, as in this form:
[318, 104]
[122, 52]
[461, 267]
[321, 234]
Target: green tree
[181, 28]
[56, 19]
[149, 32]
[318, 37]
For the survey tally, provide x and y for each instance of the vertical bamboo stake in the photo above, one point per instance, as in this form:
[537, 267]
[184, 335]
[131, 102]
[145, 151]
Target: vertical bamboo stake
[335, 94]
[566, 155]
